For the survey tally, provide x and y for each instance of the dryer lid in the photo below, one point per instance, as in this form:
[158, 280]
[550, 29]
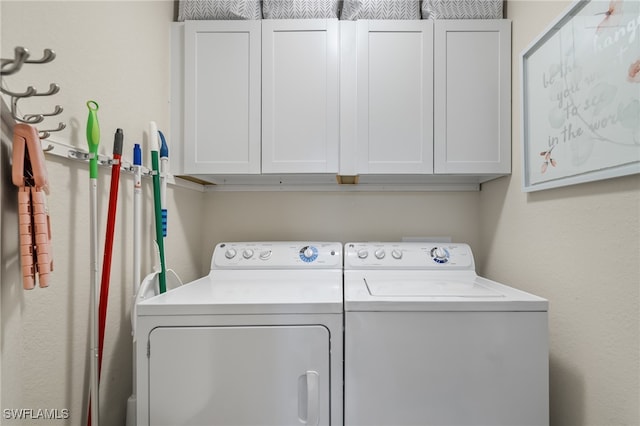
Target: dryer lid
[252, 292]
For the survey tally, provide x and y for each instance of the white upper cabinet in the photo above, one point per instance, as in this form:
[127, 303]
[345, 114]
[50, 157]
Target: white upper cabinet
[394, 106]
[300, 114]
[472, 133]
[222, 97]
[415, 99]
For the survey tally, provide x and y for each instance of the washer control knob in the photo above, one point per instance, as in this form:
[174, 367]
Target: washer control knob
[230, 253]
[363, 253]
[380, 253]
[247, 253]
[396, 254]
[440, 254]
[265, 255]
[308, 252]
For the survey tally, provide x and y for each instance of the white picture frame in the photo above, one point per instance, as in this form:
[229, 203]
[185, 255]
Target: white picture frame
[580, 96]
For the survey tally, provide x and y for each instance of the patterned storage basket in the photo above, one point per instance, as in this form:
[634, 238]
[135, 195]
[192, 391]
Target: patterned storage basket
[462, 9]
[380, 9]
[299, 9]
[219, 9]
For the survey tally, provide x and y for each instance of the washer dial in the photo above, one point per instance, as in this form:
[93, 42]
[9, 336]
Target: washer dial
[440, 254]
[230, 253]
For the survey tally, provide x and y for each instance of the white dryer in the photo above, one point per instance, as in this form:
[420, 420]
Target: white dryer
[428, 342]
[258, 341]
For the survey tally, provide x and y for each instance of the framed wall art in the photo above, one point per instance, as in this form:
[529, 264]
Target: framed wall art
[580, 82]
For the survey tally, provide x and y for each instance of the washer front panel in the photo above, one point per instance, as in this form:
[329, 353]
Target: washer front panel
[446, 368]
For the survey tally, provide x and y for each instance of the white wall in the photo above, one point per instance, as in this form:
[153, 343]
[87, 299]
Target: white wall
[347, 216]
[116, 53]
[579, 247]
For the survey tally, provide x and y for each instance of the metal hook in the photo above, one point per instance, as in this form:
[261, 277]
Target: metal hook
[10, 66]
[53, 89]
[28, 93]
[61, 126]
[20, 56]
[57, 111]
[49, 55]
[48, 148]
[32, 119]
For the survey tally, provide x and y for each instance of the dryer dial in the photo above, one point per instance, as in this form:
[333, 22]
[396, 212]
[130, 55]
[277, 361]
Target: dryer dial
[230, 253]
[380, 254]
[308, 254]
[247, 253]
[396, 254]
[265, 255]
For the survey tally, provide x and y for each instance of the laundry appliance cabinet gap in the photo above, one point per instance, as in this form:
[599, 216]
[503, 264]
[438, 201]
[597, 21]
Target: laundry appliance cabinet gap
[368, 97]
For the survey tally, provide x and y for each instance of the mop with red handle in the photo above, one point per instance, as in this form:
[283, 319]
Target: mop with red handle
[108, 243]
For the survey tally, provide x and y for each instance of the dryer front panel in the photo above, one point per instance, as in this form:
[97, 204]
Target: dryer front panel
[239, 375]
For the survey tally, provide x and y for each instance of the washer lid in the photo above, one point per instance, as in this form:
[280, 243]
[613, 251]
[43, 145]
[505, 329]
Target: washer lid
[435, 288]
[252, 292]
[421, 291]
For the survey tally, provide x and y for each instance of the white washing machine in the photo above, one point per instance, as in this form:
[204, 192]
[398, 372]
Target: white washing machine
[428, 342]
[258, 341]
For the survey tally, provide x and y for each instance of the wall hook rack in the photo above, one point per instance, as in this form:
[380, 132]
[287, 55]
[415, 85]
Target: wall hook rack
[11, 66]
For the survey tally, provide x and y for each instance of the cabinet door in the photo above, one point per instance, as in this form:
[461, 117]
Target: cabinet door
[244, 376]
[395, 97]
[300, 96]
[473, 97]
[222, 97]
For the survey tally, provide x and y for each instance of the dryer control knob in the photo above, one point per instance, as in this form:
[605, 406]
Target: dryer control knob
[363, 254]
[247, 253]
[380, 253]
[308, 254]
[396, 254]
[230, 253]
[265, 255]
